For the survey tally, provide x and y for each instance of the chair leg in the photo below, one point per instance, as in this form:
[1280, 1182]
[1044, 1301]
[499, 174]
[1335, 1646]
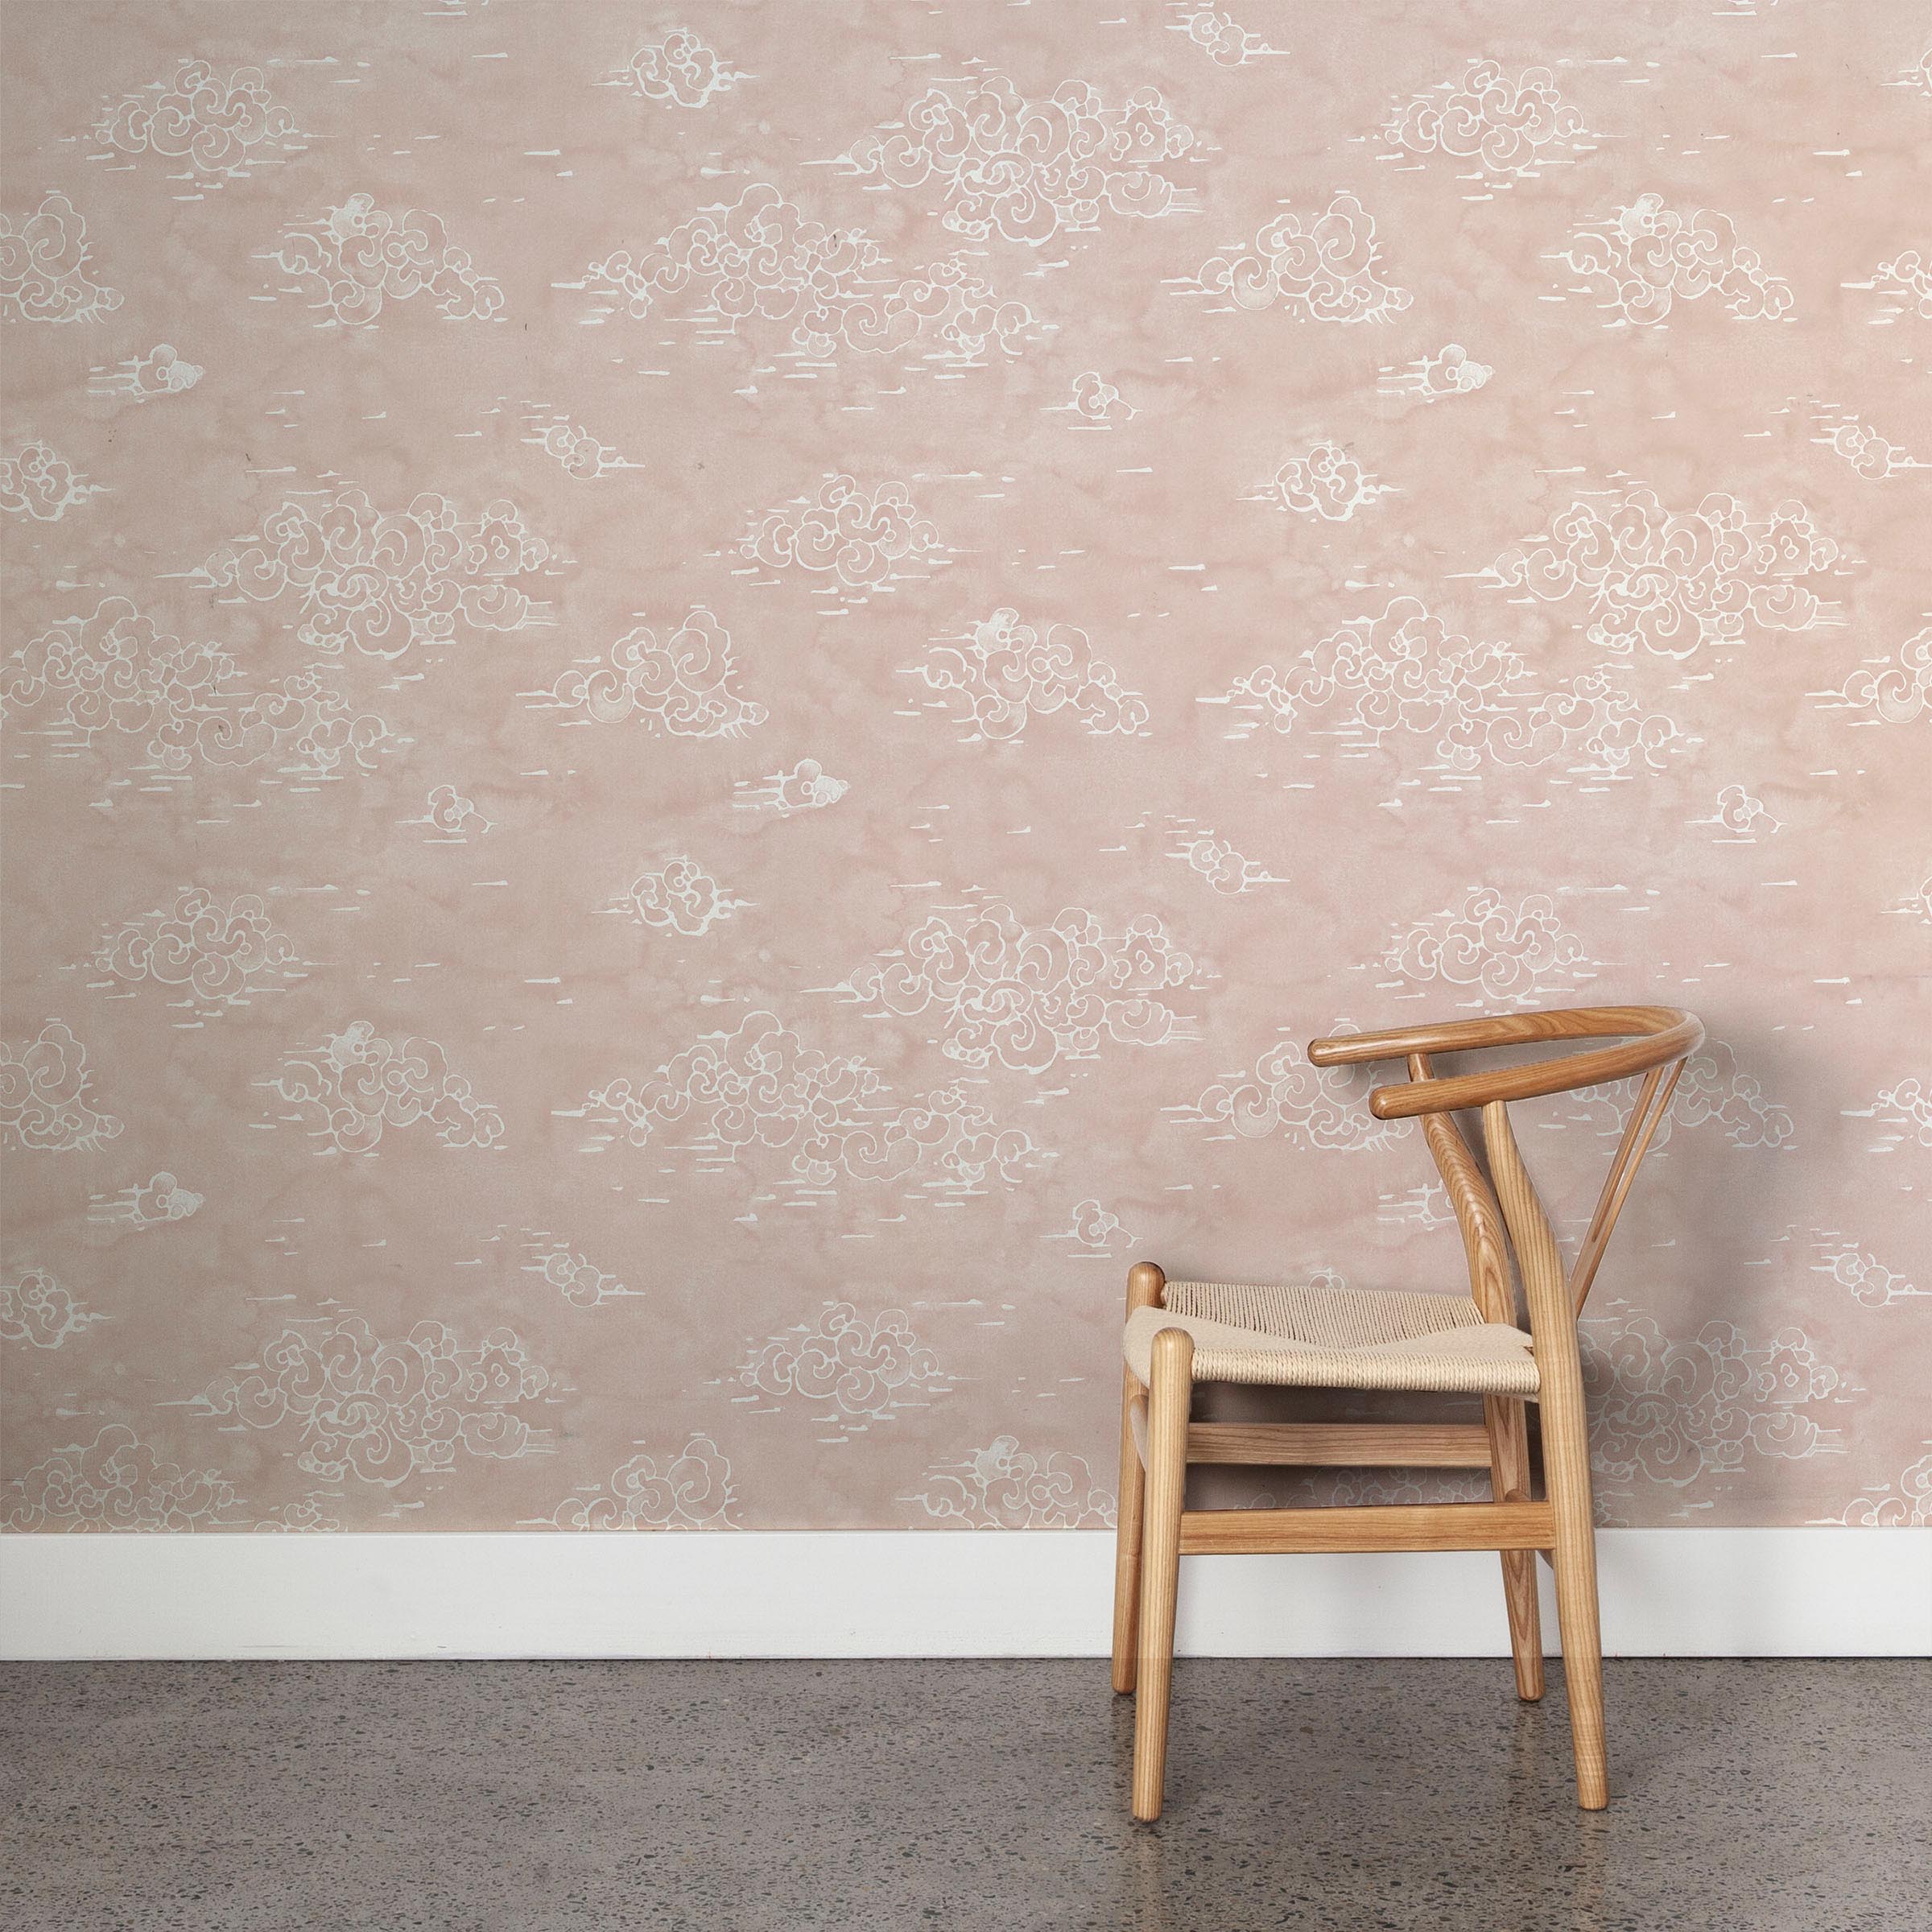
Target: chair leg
[1145, 1283]
[1566, 1473]
[1168, 1398]
[1509, 1481]
[1127, 1545]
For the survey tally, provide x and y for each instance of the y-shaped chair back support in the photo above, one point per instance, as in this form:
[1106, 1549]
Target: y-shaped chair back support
[1507, 1237]
[1664, 1038]
[1658, 1040]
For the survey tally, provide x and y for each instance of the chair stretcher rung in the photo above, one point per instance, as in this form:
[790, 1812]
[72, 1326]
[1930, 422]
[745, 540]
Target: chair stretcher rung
[1403, 1526]
[1342, 1445]
[1328, 1445]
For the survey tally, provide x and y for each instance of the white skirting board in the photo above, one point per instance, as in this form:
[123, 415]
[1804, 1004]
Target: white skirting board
[1689, 1592]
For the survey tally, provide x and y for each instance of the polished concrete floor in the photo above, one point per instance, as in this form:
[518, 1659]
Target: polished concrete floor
[867, 1797]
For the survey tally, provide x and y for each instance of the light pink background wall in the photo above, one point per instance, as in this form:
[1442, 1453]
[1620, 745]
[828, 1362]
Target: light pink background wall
[697, 703]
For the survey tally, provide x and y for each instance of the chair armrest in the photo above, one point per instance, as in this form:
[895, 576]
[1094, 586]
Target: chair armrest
[1566, 1073]
[1503, 1029]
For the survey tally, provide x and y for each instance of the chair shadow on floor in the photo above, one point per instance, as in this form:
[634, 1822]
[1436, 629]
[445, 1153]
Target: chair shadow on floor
[1516, 1835]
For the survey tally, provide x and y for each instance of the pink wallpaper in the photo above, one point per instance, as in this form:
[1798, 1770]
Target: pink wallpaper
[697, 705]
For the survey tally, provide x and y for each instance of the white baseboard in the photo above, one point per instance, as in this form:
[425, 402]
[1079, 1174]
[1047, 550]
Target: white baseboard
[1693, 1592]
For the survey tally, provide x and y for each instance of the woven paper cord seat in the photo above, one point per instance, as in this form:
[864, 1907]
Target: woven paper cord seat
[1337, 1338]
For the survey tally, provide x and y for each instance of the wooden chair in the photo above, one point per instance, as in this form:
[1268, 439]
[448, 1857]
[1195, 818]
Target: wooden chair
[1180, 1333]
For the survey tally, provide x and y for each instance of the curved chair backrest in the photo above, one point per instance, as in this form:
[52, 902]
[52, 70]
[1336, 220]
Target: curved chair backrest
[1657, 1041]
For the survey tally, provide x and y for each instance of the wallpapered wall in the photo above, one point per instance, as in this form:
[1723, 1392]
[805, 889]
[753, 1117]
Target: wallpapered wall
[698, 704]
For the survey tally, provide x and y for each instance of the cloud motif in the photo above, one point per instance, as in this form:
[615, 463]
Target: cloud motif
[1324, 267]
[1315, 1107]
[114, 671]
[1713, 1087]
[866, 1369]
[1511, 954]
[1452, 371]
[1216, 861]
[1906, 1107]
[1860, 445]
[1903, 284]
[35, 482]
[1680, 1415]
[1511, 128]
[1222, 39]
[806, 787]
[45, 1106]
[692, 1490]
[357, 1084]
[149, 1204]
[680, 70]
[1405, 671]
[348, 1403]
[1907, 280]
[1743, 816]
[1028, 995]
[302, 725]
[221, 125]
[1673, 582]
[861, 539]
[1907, 1504]
[760, 259]
[47, 270]
[1094, 1230]
[1325, 482]
[760, 1088]
[161, 372]
[382, 582]
[574, 449]
[1004, 1486]
[1909, 1104]
[1026, 169]
[221, 952]
[683, 686]
[452, 816]
[1097, 403]
[681, 897]
[115, 1482]
[1898, 693]
[1424, 1205]
[1642, 261]
[36, 1309]
[1357, 1489]
[306, 1515]
[1868, 1280]
[352, 260]
[1007, 673]
[574, 1276]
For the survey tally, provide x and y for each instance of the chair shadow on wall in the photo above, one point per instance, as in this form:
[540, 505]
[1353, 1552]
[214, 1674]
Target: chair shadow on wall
[1724, 1269]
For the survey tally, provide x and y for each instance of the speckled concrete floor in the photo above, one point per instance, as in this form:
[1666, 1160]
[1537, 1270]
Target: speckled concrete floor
[792, 1796]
